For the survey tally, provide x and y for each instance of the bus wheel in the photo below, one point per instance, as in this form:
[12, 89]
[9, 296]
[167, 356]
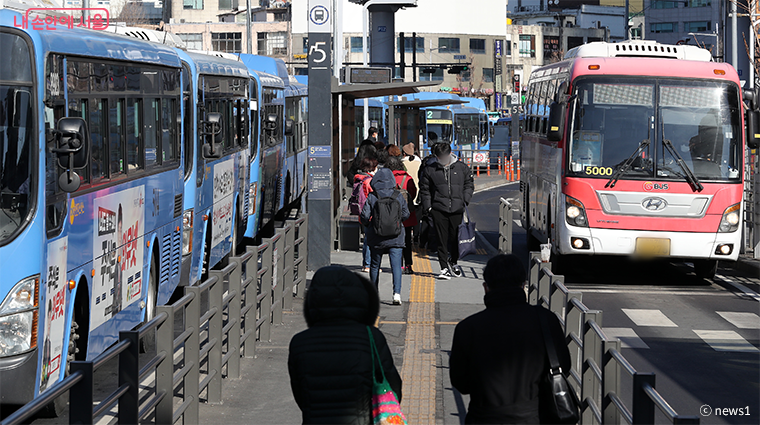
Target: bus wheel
[705, 269]
[148, 342]
[58, 406]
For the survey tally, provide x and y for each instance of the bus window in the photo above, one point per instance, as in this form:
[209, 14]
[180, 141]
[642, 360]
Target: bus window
[97, 129]
[151, 131]
[168, 148]
[115, 135]
[134, 159]
[187, 134]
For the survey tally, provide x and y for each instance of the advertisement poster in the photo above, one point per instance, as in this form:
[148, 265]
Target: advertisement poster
[55, 318]
[118, 254]
[224, 180]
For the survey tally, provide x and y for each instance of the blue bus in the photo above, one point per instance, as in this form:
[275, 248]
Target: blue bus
[377, 111]
[296, 142]
[91, 192]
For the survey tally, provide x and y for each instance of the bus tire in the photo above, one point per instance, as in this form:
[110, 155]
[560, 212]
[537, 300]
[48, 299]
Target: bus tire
[148, 342]
[705, 269]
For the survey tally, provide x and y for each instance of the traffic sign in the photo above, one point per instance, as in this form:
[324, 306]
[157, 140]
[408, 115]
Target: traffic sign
[319, 16]
[515, 98]
[480, 157]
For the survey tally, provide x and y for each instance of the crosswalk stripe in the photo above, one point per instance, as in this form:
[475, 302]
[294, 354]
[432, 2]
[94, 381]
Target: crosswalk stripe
[726, 341]
[643, 317]
[627, 337]
[741, 320]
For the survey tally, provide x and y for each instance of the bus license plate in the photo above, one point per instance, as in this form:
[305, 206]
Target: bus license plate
[653, 247]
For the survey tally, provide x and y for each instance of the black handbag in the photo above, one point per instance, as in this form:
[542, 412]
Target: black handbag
[558, 403]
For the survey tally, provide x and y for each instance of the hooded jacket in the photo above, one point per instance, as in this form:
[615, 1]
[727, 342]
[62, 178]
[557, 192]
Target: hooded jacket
[330, 363]
[446, 188]
[383, 184]
[498, 356]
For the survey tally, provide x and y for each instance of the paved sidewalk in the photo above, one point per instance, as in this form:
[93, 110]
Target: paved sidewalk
[419, 334]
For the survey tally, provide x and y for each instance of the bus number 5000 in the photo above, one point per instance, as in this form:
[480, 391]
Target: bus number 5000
[599, 171]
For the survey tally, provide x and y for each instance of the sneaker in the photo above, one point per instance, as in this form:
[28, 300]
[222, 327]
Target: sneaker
[455, 270]
[445, 274]
[396, 299]
[407, 270]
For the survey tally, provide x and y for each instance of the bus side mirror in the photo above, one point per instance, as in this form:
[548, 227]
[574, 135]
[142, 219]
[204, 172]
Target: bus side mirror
[213, 124]
[752, 122]
[289, 124]
[556, 122]
[270, 123]
[72, 142]
[561, 91]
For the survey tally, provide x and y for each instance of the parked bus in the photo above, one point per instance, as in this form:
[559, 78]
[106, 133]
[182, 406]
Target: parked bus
[635, 149]
[91, 193]
[296, 141]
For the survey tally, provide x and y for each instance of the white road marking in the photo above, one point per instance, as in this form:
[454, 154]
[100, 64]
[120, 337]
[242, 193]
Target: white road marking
[627, 337]
[747, 292]
[726, 341]
[517, 223]
[741, 320]
[650, 291]
[642, 317]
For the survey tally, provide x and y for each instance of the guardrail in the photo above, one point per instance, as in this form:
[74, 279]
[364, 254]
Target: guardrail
[497, 161]
[596, 359]
[222, 318]
[506, 220]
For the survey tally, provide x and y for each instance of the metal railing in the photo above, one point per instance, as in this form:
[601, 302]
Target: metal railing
[506, 220]
[221, 320]
[497, 161]
[597, 362]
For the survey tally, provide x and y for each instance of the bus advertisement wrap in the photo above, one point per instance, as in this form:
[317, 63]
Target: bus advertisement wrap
[119, 272]
[55, 319]
[223, 188]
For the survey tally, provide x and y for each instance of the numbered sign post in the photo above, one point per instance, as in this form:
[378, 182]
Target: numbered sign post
[319, 201]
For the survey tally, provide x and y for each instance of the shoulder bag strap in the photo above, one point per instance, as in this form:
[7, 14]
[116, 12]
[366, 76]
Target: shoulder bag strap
[551, 350]
[375, 357]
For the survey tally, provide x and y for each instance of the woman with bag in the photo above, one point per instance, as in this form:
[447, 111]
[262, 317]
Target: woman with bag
[331, 364]
[362, 180]
[405, 182]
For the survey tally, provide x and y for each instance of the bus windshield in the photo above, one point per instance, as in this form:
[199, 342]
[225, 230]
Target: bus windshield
[467, 129]
[439, 126]
[16, 134]
[614, 118]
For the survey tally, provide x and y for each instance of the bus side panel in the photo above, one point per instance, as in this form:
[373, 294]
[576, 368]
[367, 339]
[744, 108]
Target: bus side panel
[220, 191]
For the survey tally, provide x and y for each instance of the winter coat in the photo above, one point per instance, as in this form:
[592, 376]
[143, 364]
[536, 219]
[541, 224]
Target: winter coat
[446, 188]
[411, 188]
[413, 168]
[383, 184]
[498, 356]
[330, 363]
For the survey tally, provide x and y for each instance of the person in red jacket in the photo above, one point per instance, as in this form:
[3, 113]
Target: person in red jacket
[406, 182]
[367, 169]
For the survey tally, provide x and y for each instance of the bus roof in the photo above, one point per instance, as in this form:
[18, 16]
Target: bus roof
[372, 102]
[214, 65]
[268, 80]
[269, 65]
[296, 89]
[475, 103]
[653, 67]
[96, 44]
[639, 49]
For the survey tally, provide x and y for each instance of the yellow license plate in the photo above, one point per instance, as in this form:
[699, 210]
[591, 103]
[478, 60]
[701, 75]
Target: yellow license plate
[653, 247]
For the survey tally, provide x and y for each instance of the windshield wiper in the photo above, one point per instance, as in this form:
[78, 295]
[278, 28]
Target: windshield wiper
[627, 164]
[696, 186]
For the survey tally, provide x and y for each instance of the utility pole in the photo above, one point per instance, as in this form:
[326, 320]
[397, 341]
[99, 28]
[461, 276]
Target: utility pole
[414, 57]
[248, 32]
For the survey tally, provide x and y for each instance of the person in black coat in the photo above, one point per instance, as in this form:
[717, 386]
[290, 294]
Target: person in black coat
[446, 187]
[498, 355]
[330, 363]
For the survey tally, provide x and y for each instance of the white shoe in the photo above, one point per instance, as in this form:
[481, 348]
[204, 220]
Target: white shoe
[445, 274]
[397, 299]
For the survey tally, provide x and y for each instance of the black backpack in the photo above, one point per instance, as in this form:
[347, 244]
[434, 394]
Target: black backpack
[386, 216]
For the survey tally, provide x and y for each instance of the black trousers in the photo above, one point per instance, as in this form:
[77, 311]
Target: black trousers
[408, 247]
[447, 228]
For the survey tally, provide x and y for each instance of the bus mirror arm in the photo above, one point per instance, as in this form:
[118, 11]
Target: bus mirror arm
[214, 123]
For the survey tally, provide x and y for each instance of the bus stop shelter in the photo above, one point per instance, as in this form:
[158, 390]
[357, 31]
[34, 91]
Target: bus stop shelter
[407, 121]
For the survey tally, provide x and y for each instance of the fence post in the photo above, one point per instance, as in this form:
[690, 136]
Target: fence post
[165, 369]
[303, 233]
[555, 296]
[233, 313]
[251, 298]
[129, 374]
[81, 395]
[288, 265]
[643, 406]
[610, 383]
[214, 393]
[191, 354]
[277, 257]
[533, 268]
[266, 290]
[505, 227]
[544, 282]
[591, 351]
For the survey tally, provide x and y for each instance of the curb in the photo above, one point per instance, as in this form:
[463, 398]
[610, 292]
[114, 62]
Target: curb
[492, 185]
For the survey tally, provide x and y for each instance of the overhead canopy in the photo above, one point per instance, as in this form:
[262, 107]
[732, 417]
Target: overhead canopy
[425, 103]
[362, 91]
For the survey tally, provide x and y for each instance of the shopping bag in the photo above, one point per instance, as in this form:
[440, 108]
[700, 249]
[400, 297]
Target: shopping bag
[385, 406]
[467, 244]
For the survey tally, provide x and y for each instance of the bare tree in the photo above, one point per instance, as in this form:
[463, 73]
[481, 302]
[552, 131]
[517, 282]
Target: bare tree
[132, 13]
[745, 8]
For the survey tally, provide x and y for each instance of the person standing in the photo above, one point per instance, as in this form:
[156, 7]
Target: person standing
[412, 163]
[330, 363]
[498, 355]
[363, 178]
[392, 243]
[371, 137]
[446, 187]
[406, 182]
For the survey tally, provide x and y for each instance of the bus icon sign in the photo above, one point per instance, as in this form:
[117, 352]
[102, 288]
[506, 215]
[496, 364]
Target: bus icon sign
[319, 15]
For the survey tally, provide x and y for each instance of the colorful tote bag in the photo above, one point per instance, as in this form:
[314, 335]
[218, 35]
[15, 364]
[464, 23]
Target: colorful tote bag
[385, 406]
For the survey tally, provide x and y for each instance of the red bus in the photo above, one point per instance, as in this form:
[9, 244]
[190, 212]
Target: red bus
[635, 149]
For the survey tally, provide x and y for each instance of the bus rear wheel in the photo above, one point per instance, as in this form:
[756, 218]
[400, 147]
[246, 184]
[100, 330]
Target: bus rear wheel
[148, 342]
[705, 269]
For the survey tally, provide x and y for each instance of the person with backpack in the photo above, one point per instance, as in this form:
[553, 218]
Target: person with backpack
[446, 187]
[408, 189]
[361, 190]
[383, 215]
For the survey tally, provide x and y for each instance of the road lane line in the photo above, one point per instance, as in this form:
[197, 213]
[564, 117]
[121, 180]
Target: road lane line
[644, 317]
[726, 341]
[741, 320]
[747, 292]
[627, 336]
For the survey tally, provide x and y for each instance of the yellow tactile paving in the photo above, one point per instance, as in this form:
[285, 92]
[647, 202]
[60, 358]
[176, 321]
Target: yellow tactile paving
[420, 347]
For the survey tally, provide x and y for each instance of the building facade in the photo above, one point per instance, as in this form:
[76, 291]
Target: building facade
[689, 21]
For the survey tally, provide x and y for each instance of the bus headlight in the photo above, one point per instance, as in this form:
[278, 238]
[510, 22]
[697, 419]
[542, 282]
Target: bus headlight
[730, 221]
[18, 318]
[187, 232]
[575, 213]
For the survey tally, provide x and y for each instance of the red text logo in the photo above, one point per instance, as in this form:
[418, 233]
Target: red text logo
[40, 18]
